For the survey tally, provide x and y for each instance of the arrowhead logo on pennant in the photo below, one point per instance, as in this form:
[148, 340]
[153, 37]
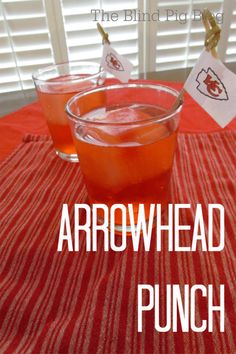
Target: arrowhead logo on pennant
[113, 62]
[116, 64]
[211, 86]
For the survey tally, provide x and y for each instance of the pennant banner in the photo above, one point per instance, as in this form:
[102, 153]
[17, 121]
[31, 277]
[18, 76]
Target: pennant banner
[116, 64]
[213, 86]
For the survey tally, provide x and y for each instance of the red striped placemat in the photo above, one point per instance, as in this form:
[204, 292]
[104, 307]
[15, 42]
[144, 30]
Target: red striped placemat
[82, 302]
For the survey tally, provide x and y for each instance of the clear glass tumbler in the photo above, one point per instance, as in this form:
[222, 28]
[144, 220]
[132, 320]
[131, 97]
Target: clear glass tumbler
[126, 137]
[55, 85]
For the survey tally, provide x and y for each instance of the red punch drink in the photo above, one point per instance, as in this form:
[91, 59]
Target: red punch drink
[55, 91]
[126, 144]
[53, 104]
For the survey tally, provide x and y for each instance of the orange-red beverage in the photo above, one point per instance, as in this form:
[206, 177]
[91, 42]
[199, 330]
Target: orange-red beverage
[126, 149]
[53, 102]
[53, 95]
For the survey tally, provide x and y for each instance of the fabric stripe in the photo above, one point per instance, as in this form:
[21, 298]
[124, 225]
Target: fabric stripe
[84, 302]
[56, 202]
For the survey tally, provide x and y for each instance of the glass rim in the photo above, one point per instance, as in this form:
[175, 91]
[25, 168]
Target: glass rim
[161, 118]
[80, 62]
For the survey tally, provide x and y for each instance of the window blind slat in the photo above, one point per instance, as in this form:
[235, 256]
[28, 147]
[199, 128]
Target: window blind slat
[92, 36]
[21, 26]
[26, 9]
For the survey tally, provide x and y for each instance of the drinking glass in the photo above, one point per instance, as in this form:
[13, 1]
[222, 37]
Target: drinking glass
[55, 85]
[126, 136]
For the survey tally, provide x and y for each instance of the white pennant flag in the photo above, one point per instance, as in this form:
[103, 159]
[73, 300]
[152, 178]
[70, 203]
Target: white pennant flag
[213, 86]
[115, 63]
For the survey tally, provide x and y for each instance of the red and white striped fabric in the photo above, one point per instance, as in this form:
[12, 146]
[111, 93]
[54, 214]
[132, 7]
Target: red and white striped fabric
[82, 302]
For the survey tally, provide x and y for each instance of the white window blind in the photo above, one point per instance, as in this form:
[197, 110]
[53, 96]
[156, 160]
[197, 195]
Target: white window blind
[179, 44]
[35, 33]
[83, 39]
[24, 43]
[230, 55]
